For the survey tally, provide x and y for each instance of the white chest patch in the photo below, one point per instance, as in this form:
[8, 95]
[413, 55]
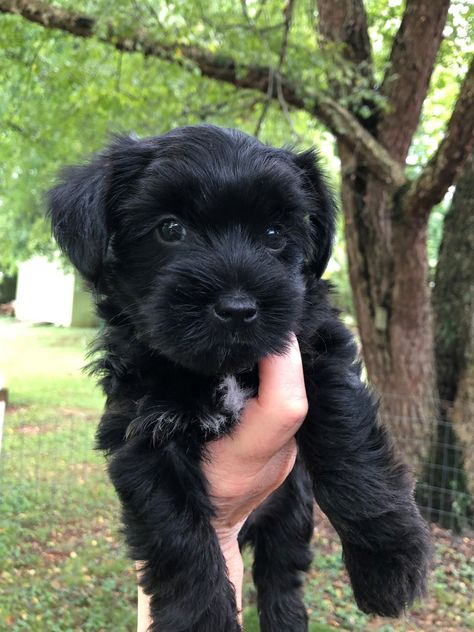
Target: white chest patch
[230, 398]
[233, 397]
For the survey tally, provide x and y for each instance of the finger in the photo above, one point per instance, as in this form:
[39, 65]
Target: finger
[271, 419]
[282, 379]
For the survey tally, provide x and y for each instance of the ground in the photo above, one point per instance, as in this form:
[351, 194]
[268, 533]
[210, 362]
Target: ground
[63, 566]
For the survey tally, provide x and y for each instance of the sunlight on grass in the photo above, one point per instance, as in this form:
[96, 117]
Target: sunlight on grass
[43, 366]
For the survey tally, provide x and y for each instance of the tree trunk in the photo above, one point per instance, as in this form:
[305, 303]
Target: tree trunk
[453, 304]
[389, 279]
[386, 245]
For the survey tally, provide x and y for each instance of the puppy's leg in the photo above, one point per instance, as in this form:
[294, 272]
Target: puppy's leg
[358, 483]
[167, 516]
[280, 531]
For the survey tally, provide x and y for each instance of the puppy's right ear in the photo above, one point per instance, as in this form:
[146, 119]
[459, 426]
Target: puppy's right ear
[80, 205]
[77, 209]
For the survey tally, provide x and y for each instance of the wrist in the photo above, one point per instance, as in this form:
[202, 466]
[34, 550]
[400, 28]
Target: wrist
[228, 542]
[227, 534]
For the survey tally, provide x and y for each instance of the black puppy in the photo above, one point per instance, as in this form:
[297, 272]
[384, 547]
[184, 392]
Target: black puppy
[205, 249]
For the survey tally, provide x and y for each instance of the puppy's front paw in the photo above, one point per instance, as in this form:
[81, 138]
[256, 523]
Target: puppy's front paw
[387, 582]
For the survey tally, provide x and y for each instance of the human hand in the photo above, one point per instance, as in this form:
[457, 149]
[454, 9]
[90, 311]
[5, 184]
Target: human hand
[243, 468]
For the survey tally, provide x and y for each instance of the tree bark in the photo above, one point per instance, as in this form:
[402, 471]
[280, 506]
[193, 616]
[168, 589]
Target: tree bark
[386, 236]
[345, 21]
[386, 247]
[408, 75]
[453, 304]
[389, 277]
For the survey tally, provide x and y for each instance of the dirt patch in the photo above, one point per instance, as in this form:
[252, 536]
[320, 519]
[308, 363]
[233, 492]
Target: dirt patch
[66, 414]
[18, 408]
[59, 543]
[83, 415]
[31, 430]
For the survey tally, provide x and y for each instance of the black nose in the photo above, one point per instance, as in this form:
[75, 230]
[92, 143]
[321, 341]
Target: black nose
[236, 311]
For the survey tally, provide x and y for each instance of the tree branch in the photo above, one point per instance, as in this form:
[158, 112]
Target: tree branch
[366, 148]
[281, 58]
[222, 68]
[17, 128]
[447, 163]
[345, 22]
[406, 81]
[50, 16]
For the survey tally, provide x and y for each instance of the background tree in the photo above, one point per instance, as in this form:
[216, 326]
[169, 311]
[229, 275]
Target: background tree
[386, 224]
[364, 71]
[453, 304]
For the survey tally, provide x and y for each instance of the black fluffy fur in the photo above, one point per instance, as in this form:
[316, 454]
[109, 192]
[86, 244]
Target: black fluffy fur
[176, 377]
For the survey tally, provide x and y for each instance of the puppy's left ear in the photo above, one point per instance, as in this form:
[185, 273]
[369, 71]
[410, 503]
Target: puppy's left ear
[322, 215]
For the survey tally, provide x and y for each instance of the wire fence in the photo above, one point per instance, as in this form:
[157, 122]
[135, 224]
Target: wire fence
[443, 491]
[47, 461]
[435, 439]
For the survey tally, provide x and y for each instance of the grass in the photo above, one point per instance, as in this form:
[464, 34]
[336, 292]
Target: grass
[63, 566]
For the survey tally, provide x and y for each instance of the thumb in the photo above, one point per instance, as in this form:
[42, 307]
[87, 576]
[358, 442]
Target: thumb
[271, 419]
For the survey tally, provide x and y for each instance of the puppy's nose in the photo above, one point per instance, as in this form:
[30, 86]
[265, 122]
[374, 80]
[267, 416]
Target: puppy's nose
[236, 311]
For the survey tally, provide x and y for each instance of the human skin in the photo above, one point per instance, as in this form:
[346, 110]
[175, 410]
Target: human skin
[243, 468]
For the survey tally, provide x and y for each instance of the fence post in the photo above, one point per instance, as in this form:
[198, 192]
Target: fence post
[3, 406]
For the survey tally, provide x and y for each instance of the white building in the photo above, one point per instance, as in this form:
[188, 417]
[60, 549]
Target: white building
[47, 293]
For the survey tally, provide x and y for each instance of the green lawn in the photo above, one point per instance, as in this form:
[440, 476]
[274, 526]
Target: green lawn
[63, 566]
[62, 563]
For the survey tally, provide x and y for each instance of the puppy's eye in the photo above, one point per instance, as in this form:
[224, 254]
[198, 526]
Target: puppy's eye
[273, 231]
[170, 230]
[274, 239]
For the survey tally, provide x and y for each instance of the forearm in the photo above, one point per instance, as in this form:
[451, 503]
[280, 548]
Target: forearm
[235, 571]
[143, 609]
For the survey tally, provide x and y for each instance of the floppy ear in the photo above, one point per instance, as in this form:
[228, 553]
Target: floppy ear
[323, 210]
[76, 207]
[80, 206]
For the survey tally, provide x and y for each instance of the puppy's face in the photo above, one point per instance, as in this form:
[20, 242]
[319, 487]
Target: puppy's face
[204, 237]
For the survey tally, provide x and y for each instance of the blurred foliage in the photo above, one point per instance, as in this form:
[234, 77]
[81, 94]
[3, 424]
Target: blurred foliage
[62, 96]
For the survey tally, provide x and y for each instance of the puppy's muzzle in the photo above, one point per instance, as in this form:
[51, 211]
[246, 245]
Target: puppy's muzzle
[236, 311]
